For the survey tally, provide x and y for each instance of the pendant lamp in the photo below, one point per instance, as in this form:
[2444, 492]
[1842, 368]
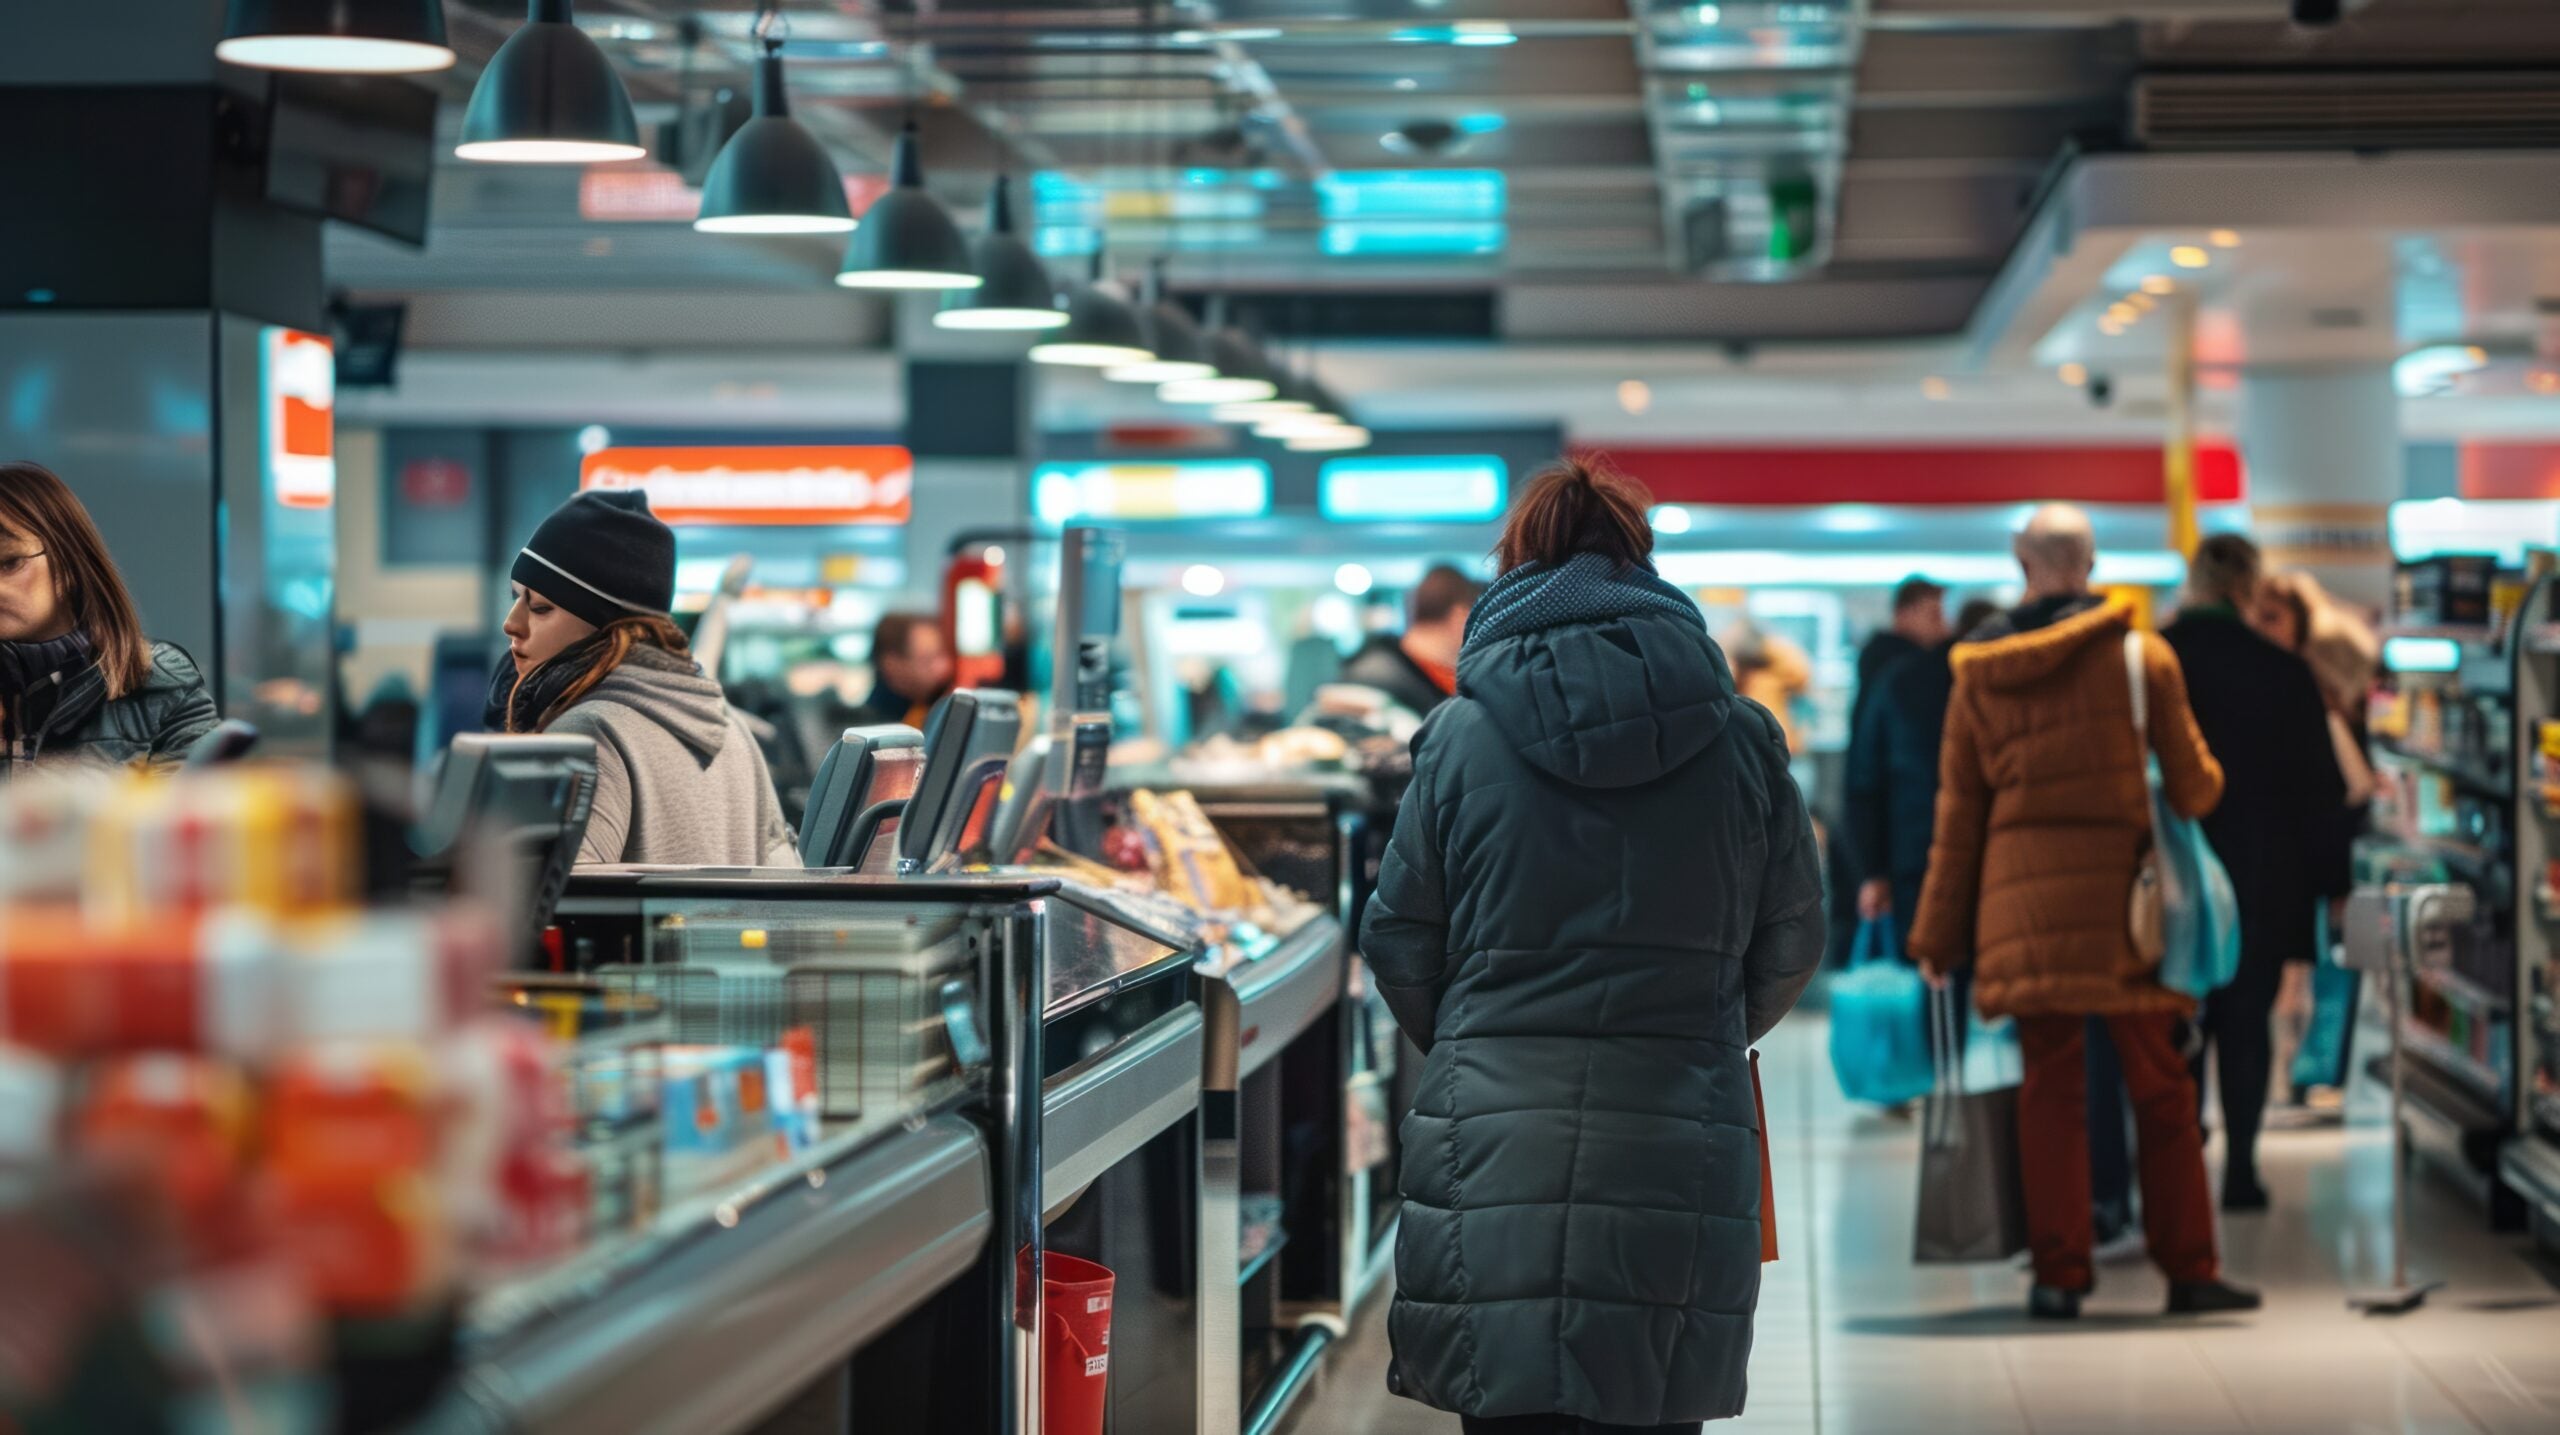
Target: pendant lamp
[1294, 399]
[907, 239]
[1180, 351]
[1243, 377]
[773, 177]
[1017, 293]
[1102, 329]
[1332, 440]
[549, 96]
[336, 37]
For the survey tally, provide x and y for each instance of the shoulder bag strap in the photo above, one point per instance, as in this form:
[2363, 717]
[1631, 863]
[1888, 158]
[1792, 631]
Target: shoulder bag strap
[2138, 681]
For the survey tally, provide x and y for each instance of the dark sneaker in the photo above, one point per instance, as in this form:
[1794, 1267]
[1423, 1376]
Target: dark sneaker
[2244, 1194]
[2053, 1303]
[2214, 1297]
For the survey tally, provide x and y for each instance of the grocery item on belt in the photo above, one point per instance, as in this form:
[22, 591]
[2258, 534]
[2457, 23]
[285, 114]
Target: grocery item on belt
[278, 838]
[351, 1133]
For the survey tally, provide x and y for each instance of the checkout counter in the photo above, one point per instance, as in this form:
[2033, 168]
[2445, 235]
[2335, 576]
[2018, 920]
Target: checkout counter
[1000, 1064]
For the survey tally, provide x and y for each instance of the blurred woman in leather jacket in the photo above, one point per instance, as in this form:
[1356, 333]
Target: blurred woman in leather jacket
[78, 680]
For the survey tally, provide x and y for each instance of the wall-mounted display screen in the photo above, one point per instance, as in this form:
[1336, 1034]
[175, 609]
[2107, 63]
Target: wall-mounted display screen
[1467, 489]
[1063, 493]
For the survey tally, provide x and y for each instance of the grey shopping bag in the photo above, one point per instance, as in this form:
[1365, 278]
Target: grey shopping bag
[1973, 1204]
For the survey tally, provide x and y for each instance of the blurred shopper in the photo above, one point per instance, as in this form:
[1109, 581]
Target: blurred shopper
[2316, 1003]
[1919, 624]
[1772, 672]
[1418, 669]
[910, 670]
[2279, 830]
[679, 779]
[1602, 888]
[1893, 772]
[2040, 737]
[78, 680]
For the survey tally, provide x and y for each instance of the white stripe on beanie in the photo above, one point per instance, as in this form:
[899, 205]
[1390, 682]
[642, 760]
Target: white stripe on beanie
[590, 587]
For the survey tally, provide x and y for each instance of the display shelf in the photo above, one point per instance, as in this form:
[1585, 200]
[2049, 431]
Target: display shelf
[2481, 634]
[1272, 1240]
[2463, 774]
[2470, 855]
[2462, 991]
[2432, 1048]
[2531, 1164]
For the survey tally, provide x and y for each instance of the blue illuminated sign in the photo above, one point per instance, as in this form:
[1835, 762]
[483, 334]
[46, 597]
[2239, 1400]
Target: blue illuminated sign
[1062, 493]
[1468, 489]
[1411, 194]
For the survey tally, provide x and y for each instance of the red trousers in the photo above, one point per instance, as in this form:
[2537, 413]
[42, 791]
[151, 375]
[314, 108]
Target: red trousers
[2053, 1140]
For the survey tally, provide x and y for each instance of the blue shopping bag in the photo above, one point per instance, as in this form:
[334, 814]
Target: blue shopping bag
[2200, 911]
[2203, 911]
[1880, 1022]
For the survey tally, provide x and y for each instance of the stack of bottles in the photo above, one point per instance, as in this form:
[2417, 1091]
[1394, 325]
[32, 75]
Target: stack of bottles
[247, 1109]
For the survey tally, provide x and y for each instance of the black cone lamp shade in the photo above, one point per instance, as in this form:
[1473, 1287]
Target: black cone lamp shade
[1102, 332]
[1296, 397]
[907, 239]
[1180, 351]
[1243, 376]
[1017, 293]
[773, 177]
[336, 37]
[549, 96]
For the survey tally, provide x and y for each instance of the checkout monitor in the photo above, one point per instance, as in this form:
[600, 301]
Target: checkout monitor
[520, 800]
[967, 742]
[868, 765]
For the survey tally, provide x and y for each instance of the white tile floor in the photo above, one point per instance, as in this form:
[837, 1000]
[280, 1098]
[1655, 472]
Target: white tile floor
[1854, 1338]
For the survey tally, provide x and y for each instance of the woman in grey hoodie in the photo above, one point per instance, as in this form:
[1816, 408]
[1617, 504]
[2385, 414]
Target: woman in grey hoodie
[679, 779]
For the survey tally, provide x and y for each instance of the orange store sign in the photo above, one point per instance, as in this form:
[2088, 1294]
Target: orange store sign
[799, 484]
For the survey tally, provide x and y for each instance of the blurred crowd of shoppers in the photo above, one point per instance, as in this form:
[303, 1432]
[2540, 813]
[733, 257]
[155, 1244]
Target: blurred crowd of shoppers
[1996, 810]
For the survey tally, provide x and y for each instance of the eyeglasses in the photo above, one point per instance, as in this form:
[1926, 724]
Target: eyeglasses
[16, 563]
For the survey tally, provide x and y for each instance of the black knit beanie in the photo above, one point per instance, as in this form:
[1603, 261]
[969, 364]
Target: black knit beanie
[602, 555]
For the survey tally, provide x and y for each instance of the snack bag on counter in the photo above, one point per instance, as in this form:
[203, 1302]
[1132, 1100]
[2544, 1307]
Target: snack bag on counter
[517, 1191]
[1193, 860]
[350, 1167]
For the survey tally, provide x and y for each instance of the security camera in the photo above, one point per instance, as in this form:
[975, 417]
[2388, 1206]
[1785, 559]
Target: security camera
[1740, 352]
[2102, 391]
[1422, 138]
[2313, 14]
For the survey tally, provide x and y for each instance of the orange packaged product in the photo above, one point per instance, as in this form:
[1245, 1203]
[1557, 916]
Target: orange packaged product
[183, 1122]
[351, 1139]
[72, 988]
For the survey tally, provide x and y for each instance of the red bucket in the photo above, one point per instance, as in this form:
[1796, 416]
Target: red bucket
[1075, 1345]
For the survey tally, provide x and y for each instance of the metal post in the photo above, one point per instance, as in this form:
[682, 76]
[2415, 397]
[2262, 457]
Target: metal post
[1017, 1007]
[2178, 454]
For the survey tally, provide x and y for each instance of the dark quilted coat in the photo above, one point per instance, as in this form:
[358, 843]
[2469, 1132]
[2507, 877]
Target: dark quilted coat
[1602, 888]
[153, 725]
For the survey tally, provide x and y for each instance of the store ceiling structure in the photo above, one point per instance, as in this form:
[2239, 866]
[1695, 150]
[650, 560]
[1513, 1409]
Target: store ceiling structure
[1566, 171]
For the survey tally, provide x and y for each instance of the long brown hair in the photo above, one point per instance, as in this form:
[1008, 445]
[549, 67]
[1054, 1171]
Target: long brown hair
[618, 638]
[40, 508]
[1578, 505]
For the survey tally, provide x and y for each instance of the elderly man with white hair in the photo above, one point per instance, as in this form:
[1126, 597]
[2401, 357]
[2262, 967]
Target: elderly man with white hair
[2041, 732]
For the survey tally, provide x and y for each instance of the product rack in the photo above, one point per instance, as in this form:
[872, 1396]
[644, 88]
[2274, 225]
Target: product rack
[2445, 754]
[2531, 1162]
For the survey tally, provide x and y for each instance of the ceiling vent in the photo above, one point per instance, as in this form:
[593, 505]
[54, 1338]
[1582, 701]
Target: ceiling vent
[2295, 110]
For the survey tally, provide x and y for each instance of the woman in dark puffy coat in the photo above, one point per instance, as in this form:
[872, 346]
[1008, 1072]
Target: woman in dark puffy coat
[1603, 888]
[79, 682]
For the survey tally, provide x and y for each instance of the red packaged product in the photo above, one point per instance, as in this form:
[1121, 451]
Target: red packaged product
[72, 988]
[350, 1151]
[184, 1121]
